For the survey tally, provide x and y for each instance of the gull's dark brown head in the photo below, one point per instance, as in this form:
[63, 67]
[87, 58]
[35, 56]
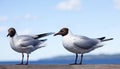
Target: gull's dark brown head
[11, 32]
[62, 32]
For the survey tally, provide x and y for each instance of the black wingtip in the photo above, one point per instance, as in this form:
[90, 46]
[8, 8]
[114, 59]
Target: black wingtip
[50, 33]
[108, 39]
[111, 38]
[43, 35]
[102, 38]
[43, 39]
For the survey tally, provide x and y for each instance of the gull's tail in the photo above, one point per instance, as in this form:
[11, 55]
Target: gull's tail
[107, 39]
[42, 43]
[103, 39]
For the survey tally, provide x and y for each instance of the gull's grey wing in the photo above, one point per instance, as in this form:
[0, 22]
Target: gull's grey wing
[28, 40]
[85, 42]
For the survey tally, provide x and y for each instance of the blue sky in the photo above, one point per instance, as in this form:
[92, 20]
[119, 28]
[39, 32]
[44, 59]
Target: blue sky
[92, 18]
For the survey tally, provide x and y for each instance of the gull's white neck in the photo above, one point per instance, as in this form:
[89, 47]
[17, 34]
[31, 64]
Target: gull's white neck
[14, 36]
[69, 33]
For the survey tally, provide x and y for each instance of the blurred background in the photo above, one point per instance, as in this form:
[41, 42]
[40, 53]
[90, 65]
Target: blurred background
[92, 18]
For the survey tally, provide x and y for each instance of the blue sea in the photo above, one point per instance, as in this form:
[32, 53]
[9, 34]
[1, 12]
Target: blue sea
[88, 59]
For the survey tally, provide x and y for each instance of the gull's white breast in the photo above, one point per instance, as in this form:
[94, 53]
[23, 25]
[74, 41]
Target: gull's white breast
[16, 44]
[69, 43]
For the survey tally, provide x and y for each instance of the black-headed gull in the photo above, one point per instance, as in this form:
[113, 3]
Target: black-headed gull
[26, 43]
[79, 44]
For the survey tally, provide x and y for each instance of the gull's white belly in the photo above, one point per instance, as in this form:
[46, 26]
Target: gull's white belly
[74, 49]
[20, 49]
[69, 45]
